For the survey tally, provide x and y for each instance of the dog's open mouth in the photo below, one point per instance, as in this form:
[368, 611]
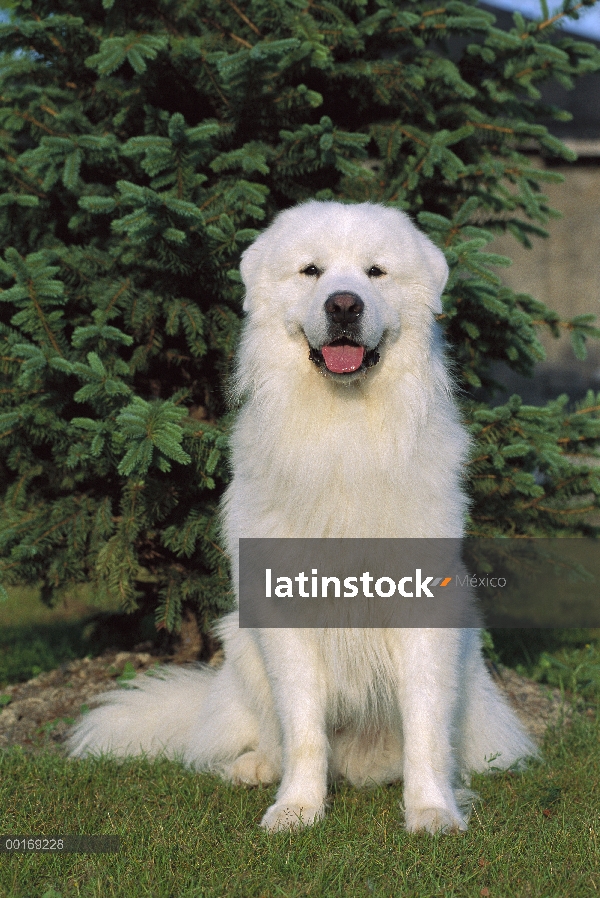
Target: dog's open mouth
[344, 356]
[341, 357]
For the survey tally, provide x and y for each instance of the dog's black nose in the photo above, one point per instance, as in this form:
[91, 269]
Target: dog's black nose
[343, 307]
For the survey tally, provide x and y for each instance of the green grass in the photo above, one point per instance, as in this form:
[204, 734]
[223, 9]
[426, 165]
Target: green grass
[35, 638]
[183, 834]
[567, 659]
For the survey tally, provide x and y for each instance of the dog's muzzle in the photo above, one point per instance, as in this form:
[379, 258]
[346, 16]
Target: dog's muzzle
[344, 354]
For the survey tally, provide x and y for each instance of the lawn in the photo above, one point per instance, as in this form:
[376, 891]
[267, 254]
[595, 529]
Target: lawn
[182, 834]
[35, 638]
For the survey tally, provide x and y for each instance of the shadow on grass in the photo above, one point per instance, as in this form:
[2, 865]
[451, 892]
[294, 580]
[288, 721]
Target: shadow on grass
[515, 647]
[27, 650]
[566, 659]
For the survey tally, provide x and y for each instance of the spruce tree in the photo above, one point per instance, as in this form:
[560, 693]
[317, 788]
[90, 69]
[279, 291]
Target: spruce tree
[143, 147]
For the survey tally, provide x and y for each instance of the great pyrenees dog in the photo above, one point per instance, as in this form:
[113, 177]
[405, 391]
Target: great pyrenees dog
[347, 428]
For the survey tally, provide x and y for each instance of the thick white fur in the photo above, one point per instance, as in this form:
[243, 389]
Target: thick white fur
[378, 455]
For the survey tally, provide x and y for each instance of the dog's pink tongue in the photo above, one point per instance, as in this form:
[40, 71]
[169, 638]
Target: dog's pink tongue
[343, 359]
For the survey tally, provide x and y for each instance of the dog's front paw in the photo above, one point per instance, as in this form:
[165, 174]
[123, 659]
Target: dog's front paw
[282, 816]
[434, 820]
[253, 768]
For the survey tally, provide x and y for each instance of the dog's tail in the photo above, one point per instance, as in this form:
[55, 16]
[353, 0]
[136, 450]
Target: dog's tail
[152, 715]
[177, 712]
[493, 736]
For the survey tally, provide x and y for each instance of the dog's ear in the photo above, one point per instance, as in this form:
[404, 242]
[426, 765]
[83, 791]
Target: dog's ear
[249, 267]
[436, 268]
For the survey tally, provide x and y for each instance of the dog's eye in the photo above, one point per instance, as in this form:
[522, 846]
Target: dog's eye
[311, 271]
[375, 272]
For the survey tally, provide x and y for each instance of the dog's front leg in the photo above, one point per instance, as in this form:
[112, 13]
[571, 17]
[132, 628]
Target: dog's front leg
[298, 683]
[428, 662]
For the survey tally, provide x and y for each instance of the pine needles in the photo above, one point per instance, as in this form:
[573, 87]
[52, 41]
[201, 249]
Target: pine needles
[141, 150]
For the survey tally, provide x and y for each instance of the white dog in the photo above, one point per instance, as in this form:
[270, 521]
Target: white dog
[347, 429]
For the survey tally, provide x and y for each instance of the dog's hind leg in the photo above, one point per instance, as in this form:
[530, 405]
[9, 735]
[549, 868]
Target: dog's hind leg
[225, 728]
[236, 734]
[255, 767]
[246, 736]
[233, 738]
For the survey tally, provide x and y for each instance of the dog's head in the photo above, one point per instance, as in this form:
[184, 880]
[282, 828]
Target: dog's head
[345, 279]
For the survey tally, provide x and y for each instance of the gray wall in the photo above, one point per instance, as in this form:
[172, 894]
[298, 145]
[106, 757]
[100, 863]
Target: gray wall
[564, 272]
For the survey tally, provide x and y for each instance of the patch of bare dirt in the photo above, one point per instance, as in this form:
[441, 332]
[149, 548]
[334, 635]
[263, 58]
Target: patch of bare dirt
[37, 714]
[538, 706]
[40, 711]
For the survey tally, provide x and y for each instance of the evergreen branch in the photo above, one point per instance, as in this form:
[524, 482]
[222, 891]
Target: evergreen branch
[58, 526]
[27, 117]
[29, 190]
[578, 439]
[413, 137]
[567, 511]
[489, 127]
[590, 409]
[53, 39]
[243, 17]
[114, 299]
[14, 161]
[42, 318]
[215, 84]
[530, 70]
[235, 37]
[430, 12]
[553, 19]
